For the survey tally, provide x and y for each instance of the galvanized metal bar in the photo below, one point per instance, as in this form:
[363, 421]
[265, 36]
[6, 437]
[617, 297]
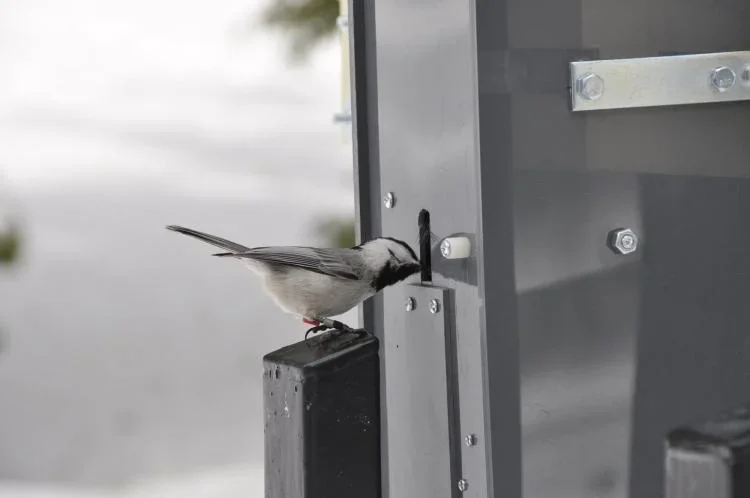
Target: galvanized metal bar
[322, 418]
[660, 81]
[420, 358]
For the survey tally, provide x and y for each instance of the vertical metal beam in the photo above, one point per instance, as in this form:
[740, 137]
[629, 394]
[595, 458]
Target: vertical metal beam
[495, 254]
[364, 95]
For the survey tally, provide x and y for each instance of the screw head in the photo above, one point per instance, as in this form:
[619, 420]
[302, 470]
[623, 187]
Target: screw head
[389, 200]
[723, 78]
[470, 440]
[411, 304]
[445, 248]
[463, 485]
[434, 306]
[623, 241]
[590, 86]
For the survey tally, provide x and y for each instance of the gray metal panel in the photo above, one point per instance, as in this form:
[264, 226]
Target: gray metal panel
[614, 350]
[573, 361]
[421, 394]
[427, 143]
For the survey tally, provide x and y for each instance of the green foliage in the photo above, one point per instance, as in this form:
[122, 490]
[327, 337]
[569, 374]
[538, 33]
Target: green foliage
[307, 22]
[338, 232]
[10, 244]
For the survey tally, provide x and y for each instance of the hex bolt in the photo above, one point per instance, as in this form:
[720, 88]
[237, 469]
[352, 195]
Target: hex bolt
[470, 440]
[723, 78]
[463, 485]
[434, 306]
[623, 241]
[590, 86]
[445, 248]
[389, 200]
[455, 247]
[411, 304]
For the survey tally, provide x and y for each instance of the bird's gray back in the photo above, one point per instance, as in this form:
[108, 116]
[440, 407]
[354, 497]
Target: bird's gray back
[335, 262]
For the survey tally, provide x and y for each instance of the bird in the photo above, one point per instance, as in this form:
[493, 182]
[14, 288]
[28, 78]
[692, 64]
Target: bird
[317, 283]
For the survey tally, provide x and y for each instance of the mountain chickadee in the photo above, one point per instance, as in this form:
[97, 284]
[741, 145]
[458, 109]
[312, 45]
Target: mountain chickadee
[317, 283]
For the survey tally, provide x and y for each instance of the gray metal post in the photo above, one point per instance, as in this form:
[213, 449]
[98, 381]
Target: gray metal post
[322, 418]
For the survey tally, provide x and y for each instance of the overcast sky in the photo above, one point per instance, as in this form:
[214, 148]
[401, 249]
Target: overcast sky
[188, 79]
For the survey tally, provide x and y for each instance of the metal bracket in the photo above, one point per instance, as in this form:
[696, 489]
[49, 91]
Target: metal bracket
[660, 81]
[420, 359]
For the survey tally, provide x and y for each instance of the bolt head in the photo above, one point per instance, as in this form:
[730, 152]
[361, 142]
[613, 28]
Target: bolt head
[723, 78]
[590, 86]
[434, 306]
[445, 248]
[411, 304]
[463, 485]
[623, 241]
[470, 440]
[389, 200]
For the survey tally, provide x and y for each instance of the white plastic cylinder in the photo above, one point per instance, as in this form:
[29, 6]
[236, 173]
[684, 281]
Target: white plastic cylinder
[455, 247]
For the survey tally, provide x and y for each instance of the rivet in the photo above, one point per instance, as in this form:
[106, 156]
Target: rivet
[389, 200]
[434, 306]
[411, 304]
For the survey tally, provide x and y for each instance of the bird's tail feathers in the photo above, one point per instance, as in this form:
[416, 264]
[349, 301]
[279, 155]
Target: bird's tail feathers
[210, 239]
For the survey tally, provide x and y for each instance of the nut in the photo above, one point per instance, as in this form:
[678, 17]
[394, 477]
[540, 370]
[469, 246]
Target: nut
[623, 241]
[723, 78]
[590, 86]
[445, 248]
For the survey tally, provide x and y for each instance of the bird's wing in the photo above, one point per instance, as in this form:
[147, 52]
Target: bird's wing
[326, 261]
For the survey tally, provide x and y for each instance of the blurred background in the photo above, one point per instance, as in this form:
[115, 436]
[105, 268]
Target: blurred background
[130, 360]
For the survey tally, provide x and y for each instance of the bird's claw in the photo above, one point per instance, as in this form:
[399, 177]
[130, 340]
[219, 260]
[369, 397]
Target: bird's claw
[336, 327]
[315, 330]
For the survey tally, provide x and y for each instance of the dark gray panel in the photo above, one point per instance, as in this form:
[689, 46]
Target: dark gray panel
[421, 398]
[578, 306]
[601, 379]
[693, 347]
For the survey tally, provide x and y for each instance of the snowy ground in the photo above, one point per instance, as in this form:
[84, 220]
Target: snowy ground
[234, 482]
